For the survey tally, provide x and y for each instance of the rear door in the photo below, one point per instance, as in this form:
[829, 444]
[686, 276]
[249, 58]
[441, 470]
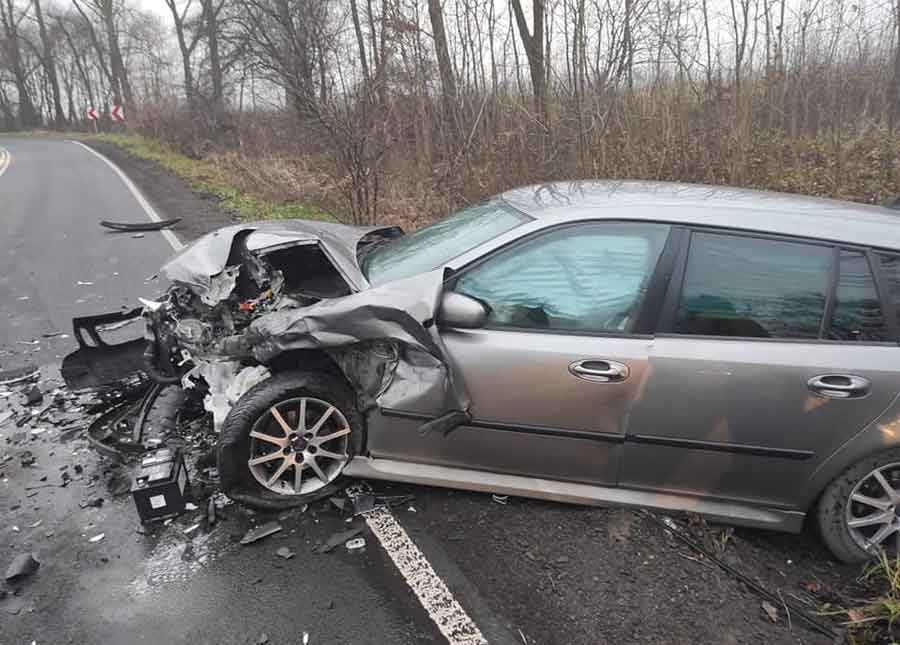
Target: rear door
[554, 373]
[771, 353]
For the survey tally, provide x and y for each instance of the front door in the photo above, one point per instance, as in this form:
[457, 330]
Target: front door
[769, 364]
[554, 373]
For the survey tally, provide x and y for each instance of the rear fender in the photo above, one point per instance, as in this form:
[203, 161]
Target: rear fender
[881, 434]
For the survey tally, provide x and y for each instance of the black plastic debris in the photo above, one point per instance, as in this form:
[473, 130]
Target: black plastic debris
[363, 504]
[142, 226]
[27, 459]
[34, 396]
[338, 539]
[23, 566]
[260, 532]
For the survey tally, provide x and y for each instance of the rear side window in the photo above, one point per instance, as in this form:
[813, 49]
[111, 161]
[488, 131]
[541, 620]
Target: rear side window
[750, 287]
[890, 271]
[857, 310]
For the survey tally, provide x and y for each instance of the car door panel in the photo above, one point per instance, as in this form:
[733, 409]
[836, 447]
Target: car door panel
[735, 418]
[553, 375]
[753, 418]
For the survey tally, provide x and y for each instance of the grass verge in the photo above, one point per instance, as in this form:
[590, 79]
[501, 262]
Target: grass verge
[208, 176]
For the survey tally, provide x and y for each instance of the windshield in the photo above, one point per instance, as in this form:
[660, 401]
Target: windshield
[430, 247]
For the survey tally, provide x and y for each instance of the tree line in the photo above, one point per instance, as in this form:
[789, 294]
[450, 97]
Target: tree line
[457, 98]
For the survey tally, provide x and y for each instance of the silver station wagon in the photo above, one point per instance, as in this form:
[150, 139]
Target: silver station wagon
[728, 352]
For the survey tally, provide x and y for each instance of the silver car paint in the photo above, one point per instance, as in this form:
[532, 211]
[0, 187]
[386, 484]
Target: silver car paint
[740, 394]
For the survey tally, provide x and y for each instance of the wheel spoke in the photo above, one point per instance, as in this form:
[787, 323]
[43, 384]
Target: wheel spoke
[333, 435]
[301, 424]
[322, 419]
[329, 454]
[298, 477]
[882, 534]
[278, 441]
[284, 426]
[869, 520]
[256, 461]
[280, 471]
[319, 472]
[880, 504]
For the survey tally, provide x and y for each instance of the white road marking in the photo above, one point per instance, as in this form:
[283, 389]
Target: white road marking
[170, 236]
[5, 160]
[449, 616]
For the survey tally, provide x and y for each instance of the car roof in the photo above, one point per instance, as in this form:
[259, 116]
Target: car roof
[717, 206]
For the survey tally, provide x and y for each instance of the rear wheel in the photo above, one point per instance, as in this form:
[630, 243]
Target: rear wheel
[859, 512]
[287, 440]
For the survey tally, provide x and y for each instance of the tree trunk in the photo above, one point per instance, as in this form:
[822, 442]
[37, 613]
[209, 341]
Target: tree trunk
[534, 51]
[211, 25]
[360, 42]
[28, 115]
[445, 66]
[50, 65]
[185, 53]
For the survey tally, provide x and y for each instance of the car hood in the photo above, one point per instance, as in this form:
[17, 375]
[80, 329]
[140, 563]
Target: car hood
[208, 256]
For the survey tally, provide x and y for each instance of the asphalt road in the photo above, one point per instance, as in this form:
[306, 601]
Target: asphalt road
[56, 262]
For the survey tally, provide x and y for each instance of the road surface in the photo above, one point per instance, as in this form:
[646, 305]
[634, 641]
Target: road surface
[56, 262]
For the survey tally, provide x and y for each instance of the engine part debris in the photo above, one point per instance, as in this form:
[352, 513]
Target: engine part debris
[284, 552]
[21, 567]
[338, 539]
[260, 532]
[141, 226]
[355, 544]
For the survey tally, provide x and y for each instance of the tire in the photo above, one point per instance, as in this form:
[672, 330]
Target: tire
[833, 506]
[162, 416]
[242, 482]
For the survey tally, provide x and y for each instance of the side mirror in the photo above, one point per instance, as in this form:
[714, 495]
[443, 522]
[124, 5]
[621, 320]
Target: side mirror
[461, 311]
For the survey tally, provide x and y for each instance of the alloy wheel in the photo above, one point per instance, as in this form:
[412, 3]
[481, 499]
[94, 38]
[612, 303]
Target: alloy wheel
[299, 446]
[873, 510]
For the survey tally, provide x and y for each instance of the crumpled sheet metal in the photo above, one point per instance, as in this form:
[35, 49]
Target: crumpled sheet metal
[401, 311]
[208, 256]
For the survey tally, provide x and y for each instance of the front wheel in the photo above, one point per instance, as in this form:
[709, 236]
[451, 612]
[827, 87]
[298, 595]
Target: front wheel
[287, 440]
[859, 512]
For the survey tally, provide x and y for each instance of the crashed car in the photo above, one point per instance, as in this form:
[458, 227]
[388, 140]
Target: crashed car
[723, 351]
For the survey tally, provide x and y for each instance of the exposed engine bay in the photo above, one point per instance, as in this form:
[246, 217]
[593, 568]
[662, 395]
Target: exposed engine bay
[247, 301]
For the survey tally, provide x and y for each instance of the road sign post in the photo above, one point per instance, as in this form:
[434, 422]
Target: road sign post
[118, 113]
[92, 117]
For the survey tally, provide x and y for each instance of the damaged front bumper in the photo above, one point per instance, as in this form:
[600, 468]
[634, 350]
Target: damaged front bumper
[247, 301]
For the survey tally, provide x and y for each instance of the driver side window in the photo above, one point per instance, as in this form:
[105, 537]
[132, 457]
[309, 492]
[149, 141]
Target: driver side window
[583, 278]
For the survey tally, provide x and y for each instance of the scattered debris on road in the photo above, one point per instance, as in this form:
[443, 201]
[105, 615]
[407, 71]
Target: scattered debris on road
[21, 567]
[142, 226]
[260, 532]
[97, 538]
[501, 499]
[355, 544]
[338, 539]
[284, 552]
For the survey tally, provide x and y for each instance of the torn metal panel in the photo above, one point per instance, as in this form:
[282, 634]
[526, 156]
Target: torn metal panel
[227, 381]
[209, 255]
[402, 311]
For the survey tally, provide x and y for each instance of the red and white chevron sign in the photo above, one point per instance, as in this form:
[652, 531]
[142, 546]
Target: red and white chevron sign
[118, 113]
[92, 113]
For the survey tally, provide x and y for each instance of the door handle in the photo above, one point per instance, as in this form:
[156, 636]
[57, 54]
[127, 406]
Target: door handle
[840, 386]
[599, 370]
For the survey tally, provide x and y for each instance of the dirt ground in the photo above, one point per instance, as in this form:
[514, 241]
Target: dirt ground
[563, 574]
